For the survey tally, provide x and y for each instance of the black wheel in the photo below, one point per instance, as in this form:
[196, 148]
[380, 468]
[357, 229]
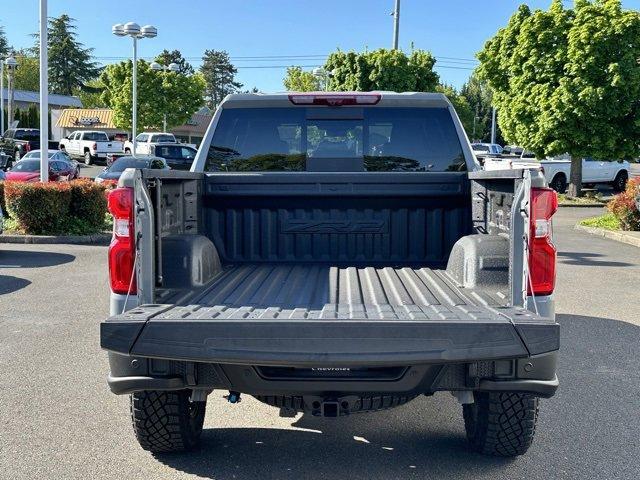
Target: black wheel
[501, 424]
[167, 421]
[127, 151]
[559, 183]
[87, 158]
[620, 183]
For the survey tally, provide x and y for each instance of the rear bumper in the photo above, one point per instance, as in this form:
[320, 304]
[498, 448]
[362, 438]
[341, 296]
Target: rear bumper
[150, 352]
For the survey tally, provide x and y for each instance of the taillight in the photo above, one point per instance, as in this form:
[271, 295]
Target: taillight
[122, 247]
[27, 147]
[542, 251]
[94, 147]
[334, 99]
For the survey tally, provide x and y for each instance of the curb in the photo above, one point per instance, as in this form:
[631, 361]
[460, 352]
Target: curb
[97, 239]
[622, 237]
[582, 205]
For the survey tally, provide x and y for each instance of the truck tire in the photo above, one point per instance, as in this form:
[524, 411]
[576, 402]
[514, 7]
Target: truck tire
[167, 421]
[559, 183]
[620, 182]
[501, 423]
[87, 158]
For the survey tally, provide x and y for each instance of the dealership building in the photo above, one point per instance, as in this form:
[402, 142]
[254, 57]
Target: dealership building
[72, 119]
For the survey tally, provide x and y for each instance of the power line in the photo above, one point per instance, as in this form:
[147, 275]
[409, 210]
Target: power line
[263, 58]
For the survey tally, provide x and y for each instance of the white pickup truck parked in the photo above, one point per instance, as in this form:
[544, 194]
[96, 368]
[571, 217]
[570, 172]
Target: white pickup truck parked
[557, 171]
[147, 140]
[89, 145]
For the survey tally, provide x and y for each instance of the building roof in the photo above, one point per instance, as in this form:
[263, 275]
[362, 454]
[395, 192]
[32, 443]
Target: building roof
[86, 118]
[27, 96]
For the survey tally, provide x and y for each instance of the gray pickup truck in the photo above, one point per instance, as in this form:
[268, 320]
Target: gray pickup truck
[333, 254]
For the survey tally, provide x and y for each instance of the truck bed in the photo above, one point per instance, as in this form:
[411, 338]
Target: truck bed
[278, 314]
[325, 292]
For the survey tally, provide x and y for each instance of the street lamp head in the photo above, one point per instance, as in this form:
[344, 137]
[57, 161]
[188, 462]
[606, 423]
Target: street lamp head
[174, 67]
[132, 29]
[118, 30]
[156, 66]
[149, 31]
[11, 63]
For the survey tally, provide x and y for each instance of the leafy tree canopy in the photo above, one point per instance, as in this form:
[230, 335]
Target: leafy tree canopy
[382, 70]
[167, 57]
[91, 94]
[298, 80]
[568, 80]
[219, 75]
[4, 44]
[27, 75]
[480, 97]
[177, 95]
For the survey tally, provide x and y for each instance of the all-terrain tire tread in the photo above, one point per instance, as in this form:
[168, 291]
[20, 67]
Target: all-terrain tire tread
[501, 424]
[162, 421]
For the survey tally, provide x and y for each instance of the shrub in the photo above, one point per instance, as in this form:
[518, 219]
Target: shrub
[88, 203]
[624, 206]
[3, 207]
[69, 208]
[39, 208]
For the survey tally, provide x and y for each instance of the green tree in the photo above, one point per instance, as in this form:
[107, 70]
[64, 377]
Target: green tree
[70, 64]
[480, 97]
[27, 75]
[167, 57]
[568, 81]
[90, 94]
[4, 44]
[297, 80]
[177, 95]
[219, 75]
[461, 104]
[382, 70]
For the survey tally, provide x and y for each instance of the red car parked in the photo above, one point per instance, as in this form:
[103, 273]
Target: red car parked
[28, 170]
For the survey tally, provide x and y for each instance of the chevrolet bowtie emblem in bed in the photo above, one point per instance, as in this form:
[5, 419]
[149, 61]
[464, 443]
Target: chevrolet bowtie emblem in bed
[333, 226]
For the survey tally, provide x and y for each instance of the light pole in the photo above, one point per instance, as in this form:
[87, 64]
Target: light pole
[172, 67]
[11, 65]
[1, 97]
[396, 24]
[323, 75]
[134, 31]
[44, 93]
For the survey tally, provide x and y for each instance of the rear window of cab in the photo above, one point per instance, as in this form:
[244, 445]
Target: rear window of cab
[372, 139]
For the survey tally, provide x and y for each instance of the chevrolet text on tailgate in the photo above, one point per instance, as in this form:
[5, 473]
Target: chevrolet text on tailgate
[331, 254]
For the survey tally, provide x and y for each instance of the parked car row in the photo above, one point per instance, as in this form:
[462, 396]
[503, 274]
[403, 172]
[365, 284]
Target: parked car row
[27, 169]
[556, 170]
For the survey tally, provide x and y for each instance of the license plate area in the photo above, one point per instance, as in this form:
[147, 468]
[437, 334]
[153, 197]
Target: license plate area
[334, 373]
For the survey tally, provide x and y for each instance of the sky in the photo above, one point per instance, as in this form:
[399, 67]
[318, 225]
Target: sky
[264, 37]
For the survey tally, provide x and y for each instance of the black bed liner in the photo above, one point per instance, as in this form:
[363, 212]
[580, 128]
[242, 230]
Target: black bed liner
[275, 314]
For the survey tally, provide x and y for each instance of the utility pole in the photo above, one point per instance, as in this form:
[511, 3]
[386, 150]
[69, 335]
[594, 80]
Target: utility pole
[493, 125]
[396, 24]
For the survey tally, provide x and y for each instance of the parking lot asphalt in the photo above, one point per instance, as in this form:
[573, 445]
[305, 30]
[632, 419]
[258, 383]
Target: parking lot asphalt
[59, 421]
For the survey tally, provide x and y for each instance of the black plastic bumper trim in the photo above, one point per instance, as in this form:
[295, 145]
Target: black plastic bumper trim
[125, 385]
[541, 388]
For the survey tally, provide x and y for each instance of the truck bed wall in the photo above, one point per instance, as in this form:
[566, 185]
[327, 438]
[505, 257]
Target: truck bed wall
[355, 219]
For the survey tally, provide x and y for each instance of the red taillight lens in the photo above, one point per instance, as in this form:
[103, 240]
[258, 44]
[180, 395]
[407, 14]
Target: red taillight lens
[542, 252]
[27, 147]
[335, 99]
[94, 147]
[122, 247]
